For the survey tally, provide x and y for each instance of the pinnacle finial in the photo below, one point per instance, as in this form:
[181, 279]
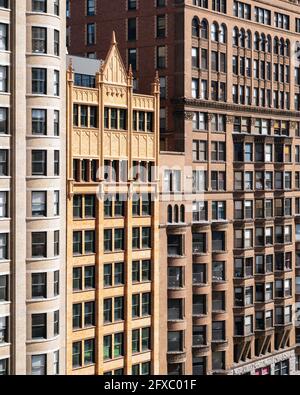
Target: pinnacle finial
[102, 63]
[130, 73]
[70, 67]
[113, 40]
[157, 80]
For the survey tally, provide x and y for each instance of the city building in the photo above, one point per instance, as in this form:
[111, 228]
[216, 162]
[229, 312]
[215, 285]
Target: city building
[229, 116]
[113, 264]
[32, 187]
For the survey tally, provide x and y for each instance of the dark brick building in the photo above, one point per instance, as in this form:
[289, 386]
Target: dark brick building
[230, 102]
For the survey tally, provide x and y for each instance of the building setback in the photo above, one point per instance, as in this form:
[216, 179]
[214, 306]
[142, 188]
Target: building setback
[32, 187]
[230, 101]
[112, 215]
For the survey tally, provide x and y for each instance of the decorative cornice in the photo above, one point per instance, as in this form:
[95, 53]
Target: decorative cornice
[198, 103]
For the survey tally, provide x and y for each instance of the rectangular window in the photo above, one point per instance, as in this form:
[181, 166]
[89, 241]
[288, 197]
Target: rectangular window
[39, 326]
[39, 163]
[3, 204]
[39, 244]
[39, 81]
[3, 79]
[4, 46]
[39, 40]
[39, 204]
[4, 288]
[56, 163]
[3, 162]
[39, 286]
[56, 83]
[76, 355]
[38, 365]
[39, 122]
[4, 330]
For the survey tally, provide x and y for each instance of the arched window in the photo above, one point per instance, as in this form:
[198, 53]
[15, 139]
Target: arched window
[276, 45]
[297, 51]
[282, 47]
[256, 41]
[223, 34]
[242, 38]
[170, 214]
[269, 44]
[263, 43]
[249, 39]
[214, 32]
[235, 36]
[204, 29]
[287, 48]
[182, 213]
[195, 27]
[176, 214]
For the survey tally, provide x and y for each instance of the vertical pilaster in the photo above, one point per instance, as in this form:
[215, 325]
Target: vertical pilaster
[18, 173]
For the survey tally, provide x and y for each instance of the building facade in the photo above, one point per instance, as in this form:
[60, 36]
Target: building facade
[32, 186]
[229, 256]
[112, 220]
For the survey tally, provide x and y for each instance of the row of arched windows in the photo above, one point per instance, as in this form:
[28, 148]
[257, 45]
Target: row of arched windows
[241, 37]
[218, 32]
[261, 42]
[176, 214]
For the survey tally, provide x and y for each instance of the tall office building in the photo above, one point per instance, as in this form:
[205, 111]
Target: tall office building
[32, 186]
[230, 106]
[112, 216]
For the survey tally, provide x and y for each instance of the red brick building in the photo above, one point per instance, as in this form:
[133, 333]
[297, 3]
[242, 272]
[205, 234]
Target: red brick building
[230, 81]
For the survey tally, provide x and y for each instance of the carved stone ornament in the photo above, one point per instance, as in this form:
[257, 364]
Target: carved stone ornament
[188, 115]
[229, 119]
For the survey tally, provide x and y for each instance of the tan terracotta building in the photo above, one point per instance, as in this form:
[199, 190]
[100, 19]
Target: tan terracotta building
[113, 236]
[32, 187]
[230, 106]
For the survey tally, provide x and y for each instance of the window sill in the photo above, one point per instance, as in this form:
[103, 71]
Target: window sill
[43, 54]
[41, 218]
[141, 282]
[141, 317]
[143, 352]
[43, 136]
[75, 330]
[120, 358]
[199, 316]
[84, 255]
[141, 249]
[141, 216]
[40, 259]
[114, 286]
[114, 252]
[83, 367]
[113, 323]
[42, 300]
[2, 345]
[83, 291]
[34, 341]
[176, 321]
